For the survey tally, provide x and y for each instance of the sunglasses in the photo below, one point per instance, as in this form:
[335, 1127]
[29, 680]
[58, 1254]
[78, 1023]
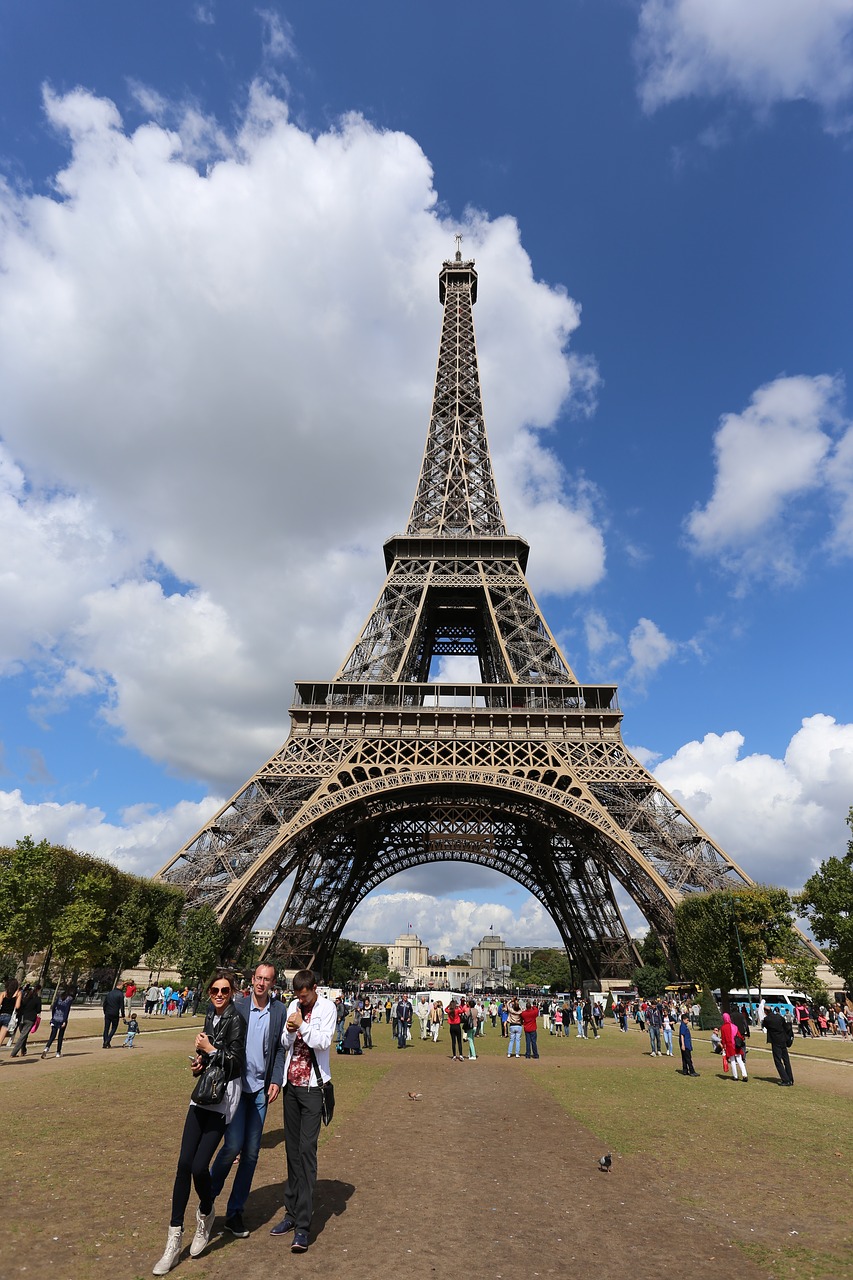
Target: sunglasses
[220, 991]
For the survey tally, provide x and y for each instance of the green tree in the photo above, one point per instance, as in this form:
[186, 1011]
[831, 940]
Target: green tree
[650, 980]
[200, 943]
[126, 934]
[709, 1014]
[651, 951]
[348, 963]
[31, 894]
[721, 934]
[79, 929]
[827, 899]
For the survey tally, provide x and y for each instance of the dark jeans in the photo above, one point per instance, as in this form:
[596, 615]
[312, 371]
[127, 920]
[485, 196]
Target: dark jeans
[402, 1029]
[111, 1021]
[368, 1038]
[57, 1033]
[687, 1062]
[455, 1040]
[530, 1049]
[302, 1117]
[782, 1063]
[203, 1130]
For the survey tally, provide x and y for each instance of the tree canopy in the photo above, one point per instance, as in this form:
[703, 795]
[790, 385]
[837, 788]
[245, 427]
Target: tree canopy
[827, 899]
[724, 937]
[80, 910]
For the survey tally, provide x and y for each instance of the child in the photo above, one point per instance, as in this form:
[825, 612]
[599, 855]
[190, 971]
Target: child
[132, 1031]
[685, 1044]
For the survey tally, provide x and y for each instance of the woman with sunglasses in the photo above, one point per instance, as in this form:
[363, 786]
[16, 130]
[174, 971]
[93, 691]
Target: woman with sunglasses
[221, 1043]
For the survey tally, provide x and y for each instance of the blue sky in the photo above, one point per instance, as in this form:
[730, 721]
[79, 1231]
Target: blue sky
[220, 231]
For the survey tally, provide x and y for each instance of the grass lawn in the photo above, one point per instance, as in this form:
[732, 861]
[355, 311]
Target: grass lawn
[90, 1149]
[91, 1144]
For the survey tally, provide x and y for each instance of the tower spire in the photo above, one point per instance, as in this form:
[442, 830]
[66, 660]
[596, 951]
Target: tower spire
[456, 494]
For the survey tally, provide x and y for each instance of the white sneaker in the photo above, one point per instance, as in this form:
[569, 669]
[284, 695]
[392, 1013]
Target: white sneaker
[203, 1228]
[174, 1242]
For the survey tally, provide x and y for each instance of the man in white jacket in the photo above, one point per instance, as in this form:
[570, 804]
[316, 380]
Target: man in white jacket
[310, 1027]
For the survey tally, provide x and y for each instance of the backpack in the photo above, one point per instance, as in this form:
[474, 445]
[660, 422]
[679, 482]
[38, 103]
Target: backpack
[466, 1021]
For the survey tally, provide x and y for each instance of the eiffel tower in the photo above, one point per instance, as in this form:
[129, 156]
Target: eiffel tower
[523, 771]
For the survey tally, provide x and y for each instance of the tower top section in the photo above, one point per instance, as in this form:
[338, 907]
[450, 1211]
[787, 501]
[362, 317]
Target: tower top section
[456, 494]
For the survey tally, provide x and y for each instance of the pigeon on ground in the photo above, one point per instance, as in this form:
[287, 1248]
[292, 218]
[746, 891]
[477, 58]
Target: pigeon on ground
[605, 1162]
[416, 1097]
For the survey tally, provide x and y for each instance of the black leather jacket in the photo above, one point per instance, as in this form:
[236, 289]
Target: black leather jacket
[229, 1038]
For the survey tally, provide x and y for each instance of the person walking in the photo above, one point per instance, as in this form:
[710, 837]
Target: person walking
[436, 1018]
[666, 1029]
[733, 1047]
[113, 1007]
[366, 1019]
[654, 1024]
[261, 1081]
[514, 1014]
[7, 1008]
[503, 1014]
[405, 1013]
[59, 1011]
[423, 1016]
[780, 1037]
[307, 1036]
[467, 1021]
[220, 1047]
[528, 1021]
[28, 1008]
[454, 1022]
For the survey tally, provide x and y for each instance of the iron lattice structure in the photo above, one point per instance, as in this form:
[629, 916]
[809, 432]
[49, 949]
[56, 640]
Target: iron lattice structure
[523, 771]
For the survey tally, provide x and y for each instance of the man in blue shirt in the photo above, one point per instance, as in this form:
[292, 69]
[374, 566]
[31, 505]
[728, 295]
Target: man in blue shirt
[262, 1080]
[685, 1044]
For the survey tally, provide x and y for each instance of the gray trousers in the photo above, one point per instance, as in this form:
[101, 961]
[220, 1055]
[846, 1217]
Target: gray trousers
[19, 1044]
[302, 1120]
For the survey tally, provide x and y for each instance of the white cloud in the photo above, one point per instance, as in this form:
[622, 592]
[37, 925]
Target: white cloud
[649, 649]
[451, 926]
[780, 449]
[761, 51]
[141, 843]
[216, 361]
[776, 818]
[278, 40]
[633, 661]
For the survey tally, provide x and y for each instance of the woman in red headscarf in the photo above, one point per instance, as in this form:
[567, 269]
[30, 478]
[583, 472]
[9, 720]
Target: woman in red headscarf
[733, 1046]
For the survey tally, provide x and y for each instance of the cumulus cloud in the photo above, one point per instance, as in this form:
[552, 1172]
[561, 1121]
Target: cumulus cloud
[763, 52]
[216, 359]
[649, 649]
[143, 840]
[451, 926]
[776, 818]
[633, 661]
[784, 461]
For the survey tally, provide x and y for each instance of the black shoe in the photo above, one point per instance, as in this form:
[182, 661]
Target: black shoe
[284, 1227]
[300, 1242]
[695, 1073]
[237, 1226]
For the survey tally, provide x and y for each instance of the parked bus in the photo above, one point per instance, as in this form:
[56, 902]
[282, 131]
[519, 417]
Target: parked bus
[782, 999]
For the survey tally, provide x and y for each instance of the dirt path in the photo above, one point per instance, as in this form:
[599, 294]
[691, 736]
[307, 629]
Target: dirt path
[485, 1177]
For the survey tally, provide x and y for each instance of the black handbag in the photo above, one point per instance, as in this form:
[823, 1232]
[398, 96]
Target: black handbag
[213, 1082]
[327, 1107]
